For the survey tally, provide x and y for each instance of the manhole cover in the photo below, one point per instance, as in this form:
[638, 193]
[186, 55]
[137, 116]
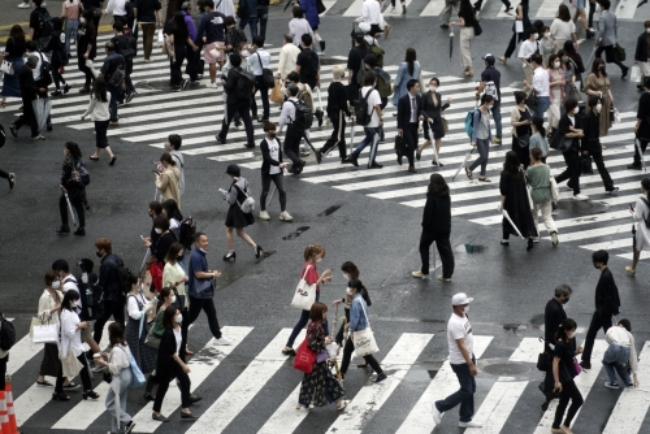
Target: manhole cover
[506, 369]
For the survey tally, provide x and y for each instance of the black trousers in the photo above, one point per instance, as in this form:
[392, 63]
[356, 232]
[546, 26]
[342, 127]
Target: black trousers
[411, 141]
[264, 93]
[604, 173]
[522, 152]
[339, 334]
[347, 356]
[569, 392]
[84, 374]
[207, 305]
[57, 77]
[81, 63]
[176, 65]
[28, 117]
[572, 171]
[637, 160]
[127, 76]
[292, 146]
[243, 108]
[338, 135]
[610, 56]
[444, 250]
[193, 60]
[76, 199]
[4, 175]
[592, 10]
[111, 308]
[3, 371]
[598, 320]
[278, 180]
[163, 386]
[512, 45]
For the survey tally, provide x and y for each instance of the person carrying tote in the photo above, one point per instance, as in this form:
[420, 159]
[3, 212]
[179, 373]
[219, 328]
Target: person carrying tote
[358, 323]
[350, 271]
[138, 306]
[319, 387]
[313, 254]
[156, 330]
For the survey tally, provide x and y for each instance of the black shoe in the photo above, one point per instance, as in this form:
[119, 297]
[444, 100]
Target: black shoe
[64, 229]
[319, 157]
[477, 6]
[258, 252]
[66, 89]
[80, 232]
[56, 93]
[130, 96]
[194, 399]
[375, 165]
[319, 116]
[403, 9]
[148, 397]
[530, 244]
[112, 162]
[188, 416]
[230, 255]
[624, 74]
[49, 127]
[220, 140]
[381, 377]
[129, 427]
[444, 26]
[298, 170]
[508, 9]
[585, 365]
[249, 145]
[634, 167]
[418, 156]
[90, 394]
[322, 45]
[184, 84]
[399, 159]
[14, 130]
[354, 161]
[60, 397]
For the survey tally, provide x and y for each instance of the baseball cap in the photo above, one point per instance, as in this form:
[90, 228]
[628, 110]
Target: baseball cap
[489, 58]
[460, 299]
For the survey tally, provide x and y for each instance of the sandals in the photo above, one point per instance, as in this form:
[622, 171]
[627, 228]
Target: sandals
[90, 394]
[484, 179]
[503, 59]
[60, 397]
[468, 173]
[342, 404]
[93, 158]
[288, 351]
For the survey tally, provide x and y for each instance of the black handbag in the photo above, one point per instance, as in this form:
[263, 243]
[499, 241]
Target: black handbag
[477, 29]
[320, 7]
[542, 362]
[107, 376]
[619, 52]
[399, 145]
[585, 166]
[523, 141]
[531, 101]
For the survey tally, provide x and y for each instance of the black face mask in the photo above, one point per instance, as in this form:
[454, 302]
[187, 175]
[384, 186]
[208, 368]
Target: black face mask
[566, 300]
[99, 255]
[273, 135]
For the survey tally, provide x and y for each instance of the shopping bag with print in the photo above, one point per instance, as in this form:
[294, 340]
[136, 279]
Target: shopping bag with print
[304, 359]
[305, 294]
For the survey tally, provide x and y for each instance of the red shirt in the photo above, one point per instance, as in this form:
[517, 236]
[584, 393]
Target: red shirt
[312, 275]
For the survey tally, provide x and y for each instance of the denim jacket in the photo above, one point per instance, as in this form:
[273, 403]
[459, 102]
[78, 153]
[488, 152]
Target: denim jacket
[358, 321]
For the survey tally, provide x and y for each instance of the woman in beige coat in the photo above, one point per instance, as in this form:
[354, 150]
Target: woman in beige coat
[167, 179]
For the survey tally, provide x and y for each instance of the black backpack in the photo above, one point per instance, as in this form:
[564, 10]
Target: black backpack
[362, 117]
[3, 136]
[7, 334]
[188, 230]
[125, 45]
[303, 118]
[92, 298]
[245, 83]
[44, 27]
[122, 272]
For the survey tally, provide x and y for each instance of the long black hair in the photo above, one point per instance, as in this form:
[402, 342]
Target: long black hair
[511, 164]
[358, 286]
[562, 333]
[68, 300]
[645, 183]
[539, 124]
[171, 209]
[410, 58]
[437, 185]
[73, 148]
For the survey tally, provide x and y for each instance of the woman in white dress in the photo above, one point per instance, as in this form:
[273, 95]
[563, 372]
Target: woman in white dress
[640, 213]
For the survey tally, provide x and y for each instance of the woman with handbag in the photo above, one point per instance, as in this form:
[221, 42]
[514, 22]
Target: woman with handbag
[520, 119]
[557, 84]
[165, 298]
[319, 387]
[570, 72]
[515, 200]
[118, 365]
[71, 351]
[313, 254]
[167, 179]
[541, 182]
[237, 219]
[13, 61]
[99, 113]
[171, 364]
[591, 147]
[579, 67]
[569, 133]
[137, 307]
[350, 271]
[432, 108]
[521, 34]
[273, 170]
[359, 323]
[468, 23]
[598, 84]
[565, 369]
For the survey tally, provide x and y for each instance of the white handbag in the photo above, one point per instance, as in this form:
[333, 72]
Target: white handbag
[71, 365]
[364, 340]
[45, 334]
[305, 294]
[555, 190]
[7, 67]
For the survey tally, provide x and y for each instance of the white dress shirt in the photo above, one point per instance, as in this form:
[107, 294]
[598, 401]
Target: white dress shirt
[371, 12]
[541, 82]
[116, 7]
[414, 105]
[288, 113]
[254, 61]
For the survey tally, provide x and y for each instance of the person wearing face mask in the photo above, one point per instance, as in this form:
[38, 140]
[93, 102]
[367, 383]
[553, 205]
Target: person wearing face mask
[313, 254]
[606, 38]
[481, 138]
[554, 314]
[591, 147]
[557, 84]
[171, 364]
[173, 146]
[563, 28]
[575, 59]
[515, 200]
[608, 304]
[71, 185]
[432, 108]
[409, 114]
[598, 84]
[165, 240]
[641, 57]
[564, 372]
[567, 137]
[527, 50]
[467, 21]
[538, 175]
[155, 328]
[110, 283]
[520, 119]
[491, 84]
[350, 271]
[87, 47]
[175, 217]
[167, 179]
[138, 306]
[461, 357]
[546, 45]
[337, 111]
[570, 70]
[621, 352]
[238, 100]
[273, 170]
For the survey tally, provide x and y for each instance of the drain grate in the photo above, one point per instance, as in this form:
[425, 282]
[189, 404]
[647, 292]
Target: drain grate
[506, 369]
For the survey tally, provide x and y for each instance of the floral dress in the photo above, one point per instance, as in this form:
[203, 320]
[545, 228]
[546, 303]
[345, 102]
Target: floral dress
[320, 387]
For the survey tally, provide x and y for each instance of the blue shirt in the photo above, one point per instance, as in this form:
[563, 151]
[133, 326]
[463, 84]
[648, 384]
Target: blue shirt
[198, 262]
[358, 319]
[212, 27]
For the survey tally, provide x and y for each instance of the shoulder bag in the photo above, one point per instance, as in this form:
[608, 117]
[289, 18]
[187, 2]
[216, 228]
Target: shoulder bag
[71, 365]
[152, 340]
[267, 74]
[555, 190]
[305, 294]
[364, 340]
[248, 205]
[304, 359]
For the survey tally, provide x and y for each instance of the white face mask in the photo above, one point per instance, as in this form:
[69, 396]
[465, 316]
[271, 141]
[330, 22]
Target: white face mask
[179, 319]
[576, 110]
[547, 34]
[534, 35]
[203, 250]
[346, 276]
[245, 53]
[82, 20]
[556, 64]
[466, 310]
[56, 285]
[571, 335]
[599, 107]
[348, 291]
[433, 88]
[173, 299]
[647, 30]
[318, 260]
[158, 231]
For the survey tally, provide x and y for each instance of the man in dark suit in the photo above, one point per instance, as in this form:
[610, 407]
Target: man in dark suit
[554, 314]
[607, 305]
[408, 119]
[29, 91]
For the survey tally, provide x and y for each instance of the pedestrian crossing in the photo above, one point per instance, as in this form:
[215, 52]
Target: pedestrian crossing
[497, 400]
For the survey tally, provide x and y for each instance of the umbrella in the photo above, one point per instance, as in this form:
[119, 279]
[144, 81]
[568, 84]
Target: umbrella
[144, 260]
[67, 199]
[435, 151]
[351, 137]
[640, 152]
[469, 154]
[286, 6]
[268, 199]
[507, 216]
[451, 44]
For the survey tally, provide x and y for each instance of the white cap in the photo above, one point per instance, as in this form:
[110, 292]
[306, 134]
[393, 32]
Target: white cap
[460, 299]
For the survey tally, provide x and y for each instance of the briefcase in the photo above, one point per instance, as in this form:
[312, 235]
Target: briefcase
[400, 146]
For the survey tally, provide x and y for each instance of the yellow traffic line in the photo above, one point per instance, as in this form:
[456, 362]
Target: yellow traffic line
[102, 29]
[9, 26]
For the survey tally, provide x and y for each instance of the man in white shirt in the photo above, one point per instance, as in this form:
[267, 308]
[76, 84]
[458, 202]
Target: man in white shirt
[259, 60]
[371, 14]
[288, 55]
[526, 50]
[372, 129]
[461, 358]
[117, 8]
[32, 48]
[541, 86]
[292, 139]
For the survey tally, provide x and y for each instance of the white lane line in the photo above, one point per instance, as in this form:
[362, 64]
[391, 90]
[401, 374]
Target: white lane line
[23, 351]
[241, 391]
[527, 351]
[356, 9]
[433, 8]
[419, 420]
[200, 370]
[370, 398]
[548, 9]
[584, 382]
[625, 10]
[632, 406]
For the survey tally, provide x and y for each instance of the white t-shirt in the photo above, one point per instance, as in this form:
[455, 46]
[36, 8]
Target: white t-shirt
[562, 30]
[274, 152]
[457, 328]
[373, 100]
[527, 49]
[68, 283]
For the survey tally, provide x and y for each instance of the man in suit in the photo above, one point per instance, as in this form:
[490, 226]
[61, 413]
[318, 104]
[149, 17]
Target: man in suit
[408, 119]
[606, 37]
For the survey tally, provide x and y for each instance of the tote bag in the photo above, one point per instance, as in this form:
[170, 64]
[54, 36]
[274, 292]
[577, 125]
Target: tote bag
[305, 358]
[555, 190]
[305, 294]
[45, 334]
[71, 365]
[364, 341]
[276, 93]
[137, 377]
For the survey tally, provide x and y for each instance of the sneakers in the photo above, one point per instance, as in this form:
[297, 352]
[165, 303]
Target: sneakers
[634, 167]
[612, 191]
[184, 84]
[444, 279]
[129, 97]
[147, 60]
[629, 270]
[286, 217]
[114, 123]
[24, 6]
[580, 196]
[71, 386]
[554, 239]
[239, 126]
[43, 383]
[264, 215]
[222, 341]
[469, 424]
[39, 137]
[496, 141]
[66, 89]
[211, 85]
[418, 274]
[611, 385]
[381, 377]
[436, 415]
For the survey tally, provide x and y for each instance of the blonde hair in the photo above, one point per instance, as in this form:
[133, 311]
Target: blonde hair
[337, 72]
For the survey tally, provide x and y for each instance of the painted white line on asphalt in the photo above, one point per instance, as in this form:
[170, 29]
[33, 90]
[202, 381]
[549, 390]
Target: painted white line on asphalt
[497, 406]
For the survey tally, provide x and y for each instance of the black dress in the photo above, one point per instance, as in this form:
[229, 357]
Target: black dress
[517, 205]
[523, 152]
[236, 218]
[434, 111]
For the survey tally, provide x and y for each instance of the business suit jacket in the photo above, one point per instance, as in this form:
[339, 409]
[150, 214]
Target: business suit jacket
[431, 110]
[404, 111]
[166, 365]
[606, 29]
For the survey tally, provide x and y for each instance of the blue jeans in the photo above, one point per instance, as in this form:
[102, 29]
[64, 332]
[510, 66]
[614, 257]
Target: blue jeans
[496, 115]
[253, 23]
[464, 396]
[372, 138]
[116, 92]
[614, 361]
[483, 146]
[543, 103]
[71, 26]
[302, 322]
